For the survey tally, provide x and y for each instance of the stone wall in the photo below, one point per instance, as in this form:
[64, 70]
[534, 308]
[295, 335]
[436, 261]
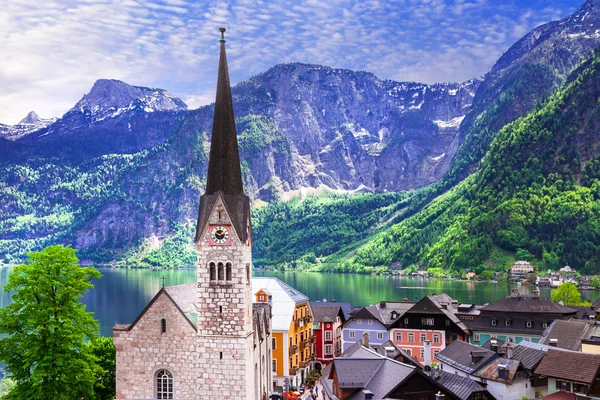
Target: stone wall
[143, 350]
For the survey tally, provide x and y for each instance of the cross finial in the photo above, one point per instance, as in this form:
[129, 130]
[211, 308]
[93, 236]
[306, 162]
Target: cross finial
[222, 30]
[163, 279]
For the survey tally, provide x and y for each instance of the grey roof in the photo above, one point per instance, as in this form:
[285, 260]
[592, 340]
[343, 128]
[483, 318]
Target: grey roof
[355, 373]
[386, 378]
[346, 307]
[458, 355]
[528, 304]
[325, 313]
[357, 350]
[569, 333]
[445, 304]
[397, 352]
[224, 177]
[461, 386]
[529, 357]
[369, 312]
[386, 308]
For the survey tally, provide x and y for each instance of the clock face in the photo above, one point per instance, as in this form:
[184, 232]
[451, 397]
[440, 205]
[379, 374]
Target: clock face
[219, 234]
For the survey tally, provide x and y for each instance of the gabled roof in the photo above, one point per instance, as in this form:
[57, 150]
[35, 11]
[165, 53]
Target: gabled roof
[529, 357]
[369, 312]
[569, 333]
[528, 304]
[439, 304]
[358, 350]
[389, 308]
[355, 373]
[561, 364]
[461, 386]
[325, 313]
[162, 292]
[390, 350]
[283, 301]
[458, 355]
[346, 307]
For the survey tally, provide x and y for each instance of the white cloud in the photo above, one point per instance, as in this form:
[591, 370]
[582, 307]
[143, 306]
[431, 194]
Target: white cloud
[53, 51]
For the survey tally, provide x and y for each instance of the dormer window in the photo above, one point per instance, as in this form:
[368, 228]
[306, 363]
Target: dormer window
[544, 325]
[507, 322]
[529, 324]
[394, 315]
[493, 322]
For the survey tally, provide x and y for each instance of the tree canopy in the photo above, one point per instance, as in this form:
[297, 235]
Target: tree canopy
[567, 293]
[46, 327]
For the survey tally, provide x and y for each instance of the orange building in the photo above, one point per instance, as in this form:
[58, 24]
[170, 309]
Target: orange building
[291, 330]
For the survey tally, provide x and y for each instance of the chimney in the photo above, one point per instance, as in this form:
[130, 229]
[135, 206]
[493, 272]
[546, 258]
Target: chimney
[536, 293]
[436, 373]
[365, 339]
[503, 372]
[509, 351]
[440, 396]
[476, 357]
[514, 292]
[494, 345]
[553, 342]
[368, 394]
[427, 352]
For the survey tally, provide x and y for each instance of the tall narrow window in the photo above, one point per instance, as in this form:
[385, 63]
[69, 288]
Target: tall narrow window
[228, 271]
[163, 326]
[164, 384]
[221, 272]
[213, 272]
[247, 274]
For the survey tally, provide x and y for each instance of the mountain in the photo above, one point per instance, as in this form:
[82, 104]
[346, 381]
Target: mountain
[527, 73]
[31, 123]
[536, 194]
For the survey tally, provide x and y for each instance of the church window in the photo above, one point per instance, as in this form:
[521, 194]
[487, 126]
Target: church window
[221, 272]
[247, 274]
[164, 384]
[163, 326]
[228, 271]
[213, 272]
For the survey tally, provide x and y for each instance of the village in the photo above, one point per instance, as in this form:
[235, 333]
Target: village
[521, 346]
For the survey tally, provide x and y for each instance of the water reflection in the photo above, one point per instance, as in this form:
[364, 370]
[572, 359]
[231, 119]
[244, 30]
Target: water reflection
[121, 294]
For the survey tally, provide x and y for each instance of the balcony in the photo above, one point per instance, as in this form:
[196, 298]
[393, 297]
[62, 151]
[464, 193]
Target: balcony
[305, 364]
[293, 371]
[293, 349]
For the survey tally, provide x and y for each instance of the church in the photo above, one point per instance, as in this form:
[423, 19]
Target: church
[205, 340]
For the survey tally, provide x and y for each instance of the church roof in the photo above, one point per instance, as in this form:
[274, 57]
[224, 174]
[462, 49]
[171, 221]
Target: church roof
[284, 299]
[224, 170]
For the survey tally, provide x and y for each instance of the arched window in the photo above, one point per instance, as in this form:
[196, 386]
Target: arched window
[228, 271]
[213, 272]
[163, 326]
[164, 384]
[221, 273]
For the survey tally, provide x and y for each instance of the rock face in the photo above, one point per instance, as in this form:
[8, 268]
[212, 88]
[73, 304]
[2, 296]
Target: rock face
[345, 130]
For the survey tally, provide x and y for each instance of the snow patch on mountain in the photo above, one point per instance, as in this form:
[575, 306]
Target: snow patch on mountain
[31, 123]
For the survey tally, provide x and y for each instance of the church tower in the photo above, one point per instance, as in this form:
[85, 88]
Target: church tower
[223, 240]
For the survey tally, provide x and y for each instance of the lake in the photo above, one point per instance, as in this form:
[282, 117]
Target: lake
[122, 294]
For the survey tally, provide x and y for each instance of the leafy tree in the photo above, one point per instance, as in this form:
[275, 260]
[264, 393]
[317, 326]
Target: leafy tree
[595, 281]
[46, 328]
[104, 350]
[567, 293]
[6, 384]
[487, 275]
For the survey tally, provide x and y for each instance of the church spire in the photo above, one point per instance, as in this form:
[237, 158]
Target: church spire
[224, 171]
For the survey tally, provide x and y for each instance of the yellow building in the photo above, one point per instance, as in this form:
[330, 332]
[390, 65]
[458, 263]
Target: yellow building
[291, 330]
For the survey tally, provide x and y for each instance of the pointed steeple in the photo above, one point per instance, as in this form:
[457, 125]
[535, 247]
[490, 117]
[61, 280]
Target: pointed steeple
[224, 170]
[224, 179]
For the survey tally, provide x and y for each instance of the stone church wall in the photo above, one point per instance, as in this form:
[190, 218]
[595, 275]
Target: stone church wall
[144, 350]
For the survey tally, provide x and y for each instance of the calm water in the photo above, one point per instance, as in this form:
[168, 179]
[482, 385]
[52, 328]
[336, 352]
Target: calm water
[122, 294]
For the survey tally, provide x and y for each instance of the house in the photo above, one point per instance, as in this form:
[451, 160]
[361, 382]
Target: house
[568, 334]
[327, 330]
[362, 373]
[521, 269]
[544, 281]
[428, 326]
[291, 330]
[566, 270]
[516, 317]
[503, 375]
[364, 320]
[570, 371]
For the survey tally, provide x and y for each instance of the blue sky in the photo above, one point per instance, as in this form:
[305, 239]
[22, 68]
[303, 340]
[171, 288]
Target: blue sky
[53, 51]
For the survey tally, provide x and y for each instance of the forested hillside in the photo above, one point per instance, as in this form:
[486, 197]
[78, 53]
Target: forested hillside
[537, 193]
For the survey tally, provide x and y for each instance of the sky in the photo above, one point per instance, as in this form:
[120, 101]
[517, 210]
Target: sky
[52, 52]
